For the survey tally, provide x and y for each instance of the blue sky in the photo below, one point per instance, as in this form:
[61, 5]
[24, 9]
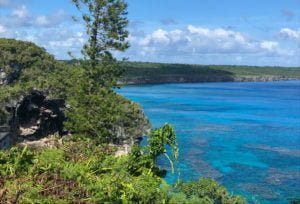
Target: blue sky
[247, 32]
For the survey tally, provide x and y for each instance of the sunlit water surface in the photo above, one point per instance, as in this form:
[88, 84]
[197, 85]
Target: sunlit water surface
[244, 135]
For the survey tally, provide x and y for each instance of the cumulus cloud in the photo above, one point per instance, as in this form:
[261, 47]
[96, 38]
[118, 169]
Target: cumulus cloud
[19, 17]
[290, 34]
[42, 20]
[20, 12]
[52, 20]
[2, 29]
[55, 32]
[194, 44]
[269, 45]
[189, 44]
[199, 40]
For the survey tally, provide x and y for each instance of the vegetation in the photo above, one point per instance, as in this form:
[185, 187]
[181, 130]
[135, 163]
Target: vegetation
[95, 110]
[84, 172]
[106, 24]
[106, 28]
[83, 168]
[145, 72]
[16, 56]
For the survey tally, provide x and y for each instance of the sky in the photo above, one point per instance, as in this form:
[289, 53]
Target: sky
[232, 32]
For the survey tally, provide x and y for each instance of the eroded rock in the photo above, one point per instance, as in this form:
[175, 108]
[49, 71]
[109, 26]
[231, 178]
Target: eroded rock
[33, 117]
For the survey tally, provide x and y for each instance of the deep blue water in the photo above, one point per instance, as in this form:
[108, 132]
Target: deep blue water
[244, 135]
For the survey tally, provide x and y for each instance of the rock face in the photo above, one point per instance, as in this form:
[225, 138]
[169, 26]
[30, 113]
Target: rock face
[32, 118]
[200, 79]
[9, 74]
[5, 139]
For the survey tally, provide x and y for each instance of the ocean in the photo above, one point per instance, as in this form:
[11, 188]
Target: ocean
[245, 135]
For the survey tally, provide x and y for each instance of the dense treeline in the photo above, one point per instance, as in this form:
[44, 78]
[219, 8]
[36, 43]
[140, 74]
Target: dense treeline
[146, 72]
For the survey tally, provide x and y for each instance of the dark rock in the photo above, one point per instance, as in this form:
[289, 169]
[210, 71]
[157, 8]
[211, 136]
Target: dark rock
[5, 139]
[33, 117]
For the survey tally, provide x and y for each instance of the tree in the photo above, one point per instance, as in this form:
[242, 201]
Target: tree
[159, 139]
[106, 24]
[96, 111]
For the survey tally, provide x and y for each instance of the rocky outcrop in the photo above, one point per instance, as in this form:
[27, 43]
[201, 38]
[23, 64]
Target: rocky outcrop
[132, 124]
[32, 117]
[9, 73]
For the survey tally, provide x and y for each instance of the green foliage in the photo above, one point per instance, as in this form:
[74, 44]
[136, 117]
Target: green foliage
[102, 114]
[95, 110]
[162, 73]
[159, 139]
[207, 191]
[16, 56]
[106, 24]
[26, 67]
[16, 161]
[89, 173]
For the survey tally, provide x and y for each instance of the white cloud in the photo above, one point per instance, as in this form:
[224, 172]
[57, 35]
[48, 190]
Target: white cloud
[269, 45]
[20, 12]
[61, 40]
[52, 20]
[290, 33]
[194, 39]
[2, 29]
[42, 21]
[190, 44]
[199, 30]
[160, 36]
[194, 44]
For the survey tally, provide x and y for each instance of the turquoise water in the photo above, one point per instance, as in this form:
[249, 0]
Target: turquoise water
[244, 135]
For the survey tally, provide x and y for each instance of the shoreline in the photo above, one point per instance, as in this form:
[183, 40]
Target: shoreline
[166, 80]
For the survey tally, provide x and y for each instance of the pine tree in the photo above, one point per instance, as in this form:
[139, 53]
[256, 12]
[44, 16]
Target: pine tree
[106, 22]
[95, 108]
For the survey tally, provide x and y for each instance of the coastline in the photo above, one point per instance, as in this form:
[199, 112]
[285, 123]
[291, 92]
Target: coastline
[202, 79]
